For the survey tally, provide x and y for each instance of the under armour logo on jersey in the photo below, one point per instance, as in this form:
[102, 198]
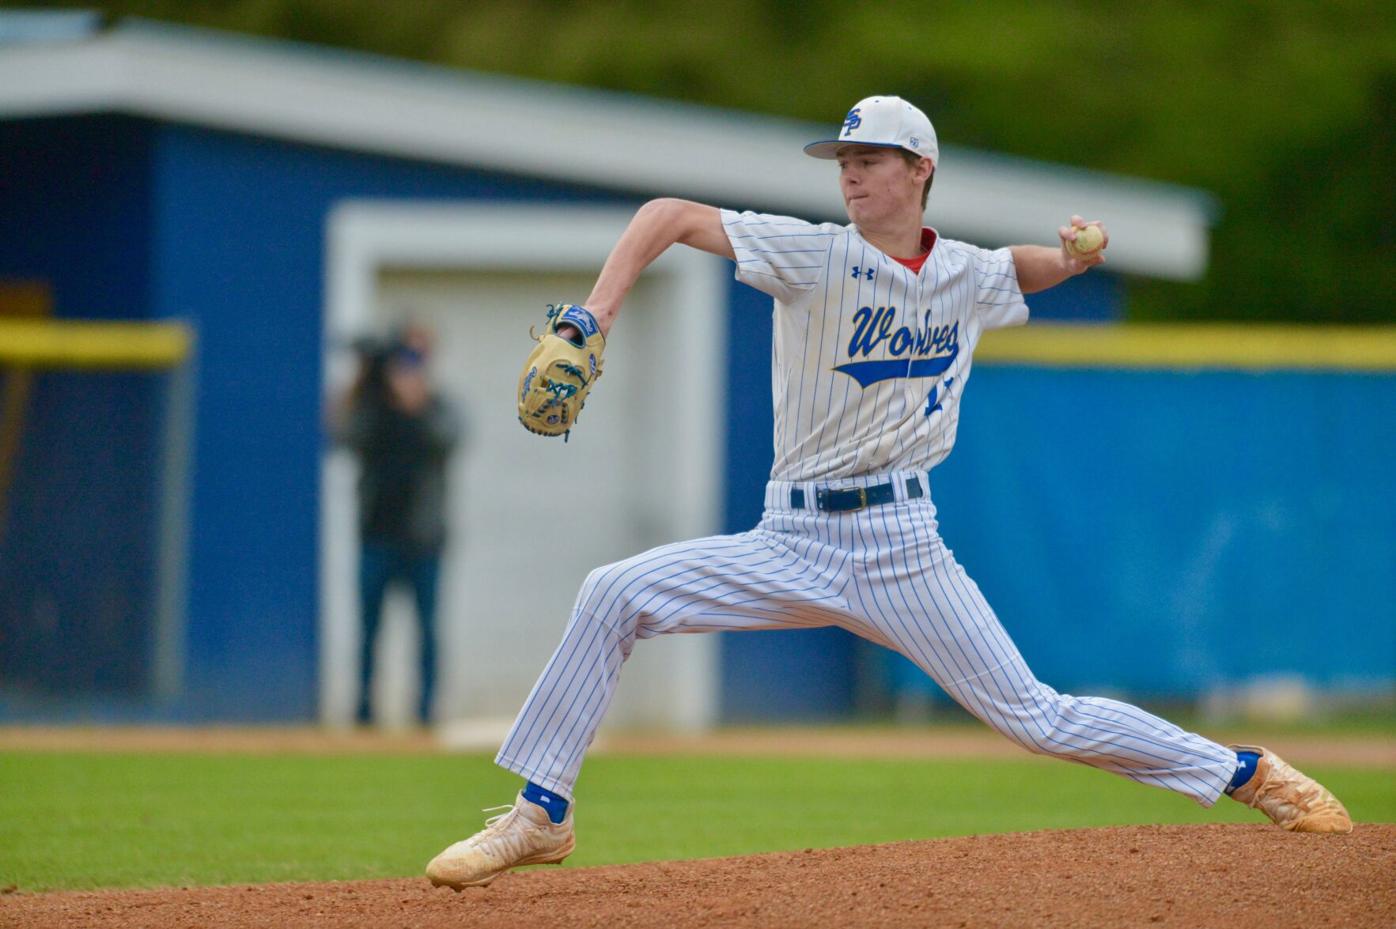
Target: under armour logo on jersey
[860, 272]
[850, 122]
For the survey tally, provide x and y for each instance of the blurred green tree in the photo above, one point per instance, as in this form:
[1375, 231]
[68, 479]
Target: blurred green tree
[1286, 111]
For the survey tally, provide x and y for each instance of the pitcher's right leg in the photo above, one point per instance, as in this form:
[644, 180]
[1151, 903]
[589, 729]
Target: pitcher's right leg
[746, 581]
[738, 581]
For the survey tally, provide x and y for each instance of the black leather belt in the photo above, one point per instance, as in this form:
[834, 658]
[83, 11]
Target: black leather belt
[852, 499]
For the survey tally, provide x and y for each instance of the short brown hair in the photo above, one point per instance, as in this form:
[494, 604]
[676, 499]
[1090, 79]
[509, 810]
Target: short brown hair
[913, 159]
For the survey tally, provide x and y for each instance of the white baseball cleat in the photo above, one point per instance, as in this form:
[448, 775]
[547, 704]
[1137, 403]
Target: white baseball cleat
[522, 835]
[1292, 799]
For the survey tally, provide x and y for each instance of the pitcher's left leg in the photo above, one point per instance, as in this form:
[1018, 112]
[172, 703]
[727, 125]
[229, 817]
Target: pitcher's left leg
[956, 638]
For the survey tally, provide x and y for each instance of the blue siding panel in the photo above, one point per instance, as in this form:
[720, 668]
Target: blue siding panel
[1097, 297]
[76, 558]
[75, 211]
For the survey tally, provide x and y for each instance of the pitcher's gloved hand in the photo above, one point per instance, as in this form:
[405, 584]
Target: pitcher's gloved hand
[560, 370]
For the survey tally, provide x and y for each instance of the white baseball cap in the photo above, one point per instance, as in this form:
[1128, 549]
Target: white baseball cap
[883, 122]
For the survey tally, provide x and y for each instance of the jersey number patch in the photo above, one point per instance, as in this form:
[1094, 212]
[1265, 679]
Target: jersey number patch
[932, 400]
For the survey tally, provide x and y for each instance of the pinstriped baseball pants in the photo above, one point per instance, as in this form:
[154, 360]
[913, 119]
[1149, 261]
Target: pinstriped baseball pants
[882, 573]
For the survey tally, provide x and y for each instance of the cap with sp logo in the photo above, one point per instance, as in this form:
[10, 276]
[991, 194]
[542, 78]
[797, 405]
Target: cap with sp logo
[882, 122]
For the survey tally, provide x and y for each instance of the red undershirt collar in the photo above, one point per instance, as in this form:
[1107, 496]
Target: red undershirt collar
[928, 242]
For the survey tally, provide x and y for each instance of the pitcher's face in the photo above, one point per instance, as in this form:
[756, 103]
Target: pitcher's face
[878, 184]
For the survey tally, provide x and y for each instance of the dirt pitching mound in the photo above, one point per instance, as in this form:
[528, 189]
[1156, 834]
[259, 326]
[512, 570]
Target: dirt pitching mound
[1185, 876]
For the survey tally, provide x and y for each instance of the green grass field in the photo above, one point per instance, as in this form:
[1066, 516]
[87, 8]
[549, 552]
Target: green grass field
[82, 820]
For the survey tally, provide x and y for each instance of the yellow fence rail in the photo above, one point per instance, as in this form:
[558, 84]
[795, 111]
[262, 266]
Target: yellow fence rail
[1192, 347]
[93, 344]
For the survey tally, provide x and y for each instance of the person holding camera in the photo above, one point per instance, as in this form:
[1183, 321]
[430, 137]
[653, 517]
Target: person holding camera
[403, 433]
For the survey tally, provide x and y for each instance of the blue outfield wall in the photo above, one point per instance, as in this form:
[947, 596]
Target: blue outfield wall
[1164, 532]
[1154, 532]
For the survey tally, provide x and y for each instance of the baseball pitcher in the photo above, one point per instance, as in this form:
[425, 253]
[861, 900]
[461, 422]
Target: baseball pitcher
[876, 323]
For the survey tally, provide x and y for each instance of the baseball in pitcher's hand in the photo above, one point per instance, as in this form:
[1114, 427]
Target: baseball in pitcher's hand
[1083, 244]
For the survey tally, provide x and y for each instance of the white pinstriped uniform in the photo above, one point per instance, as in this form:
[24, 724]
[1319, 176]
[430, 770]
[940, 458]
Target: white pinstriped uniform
[870, 360]
[841, 303]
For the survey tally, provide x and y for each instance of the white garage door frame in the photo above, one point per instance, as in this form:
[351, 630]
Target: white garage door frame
[365, 237]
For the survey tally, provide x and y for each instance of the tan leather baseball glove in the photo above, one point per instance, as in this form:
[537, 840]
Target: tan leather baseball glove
[560, 370]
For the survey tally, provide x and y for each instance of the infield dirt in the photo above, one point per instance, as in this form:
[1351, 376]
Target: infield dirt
[1193, 876]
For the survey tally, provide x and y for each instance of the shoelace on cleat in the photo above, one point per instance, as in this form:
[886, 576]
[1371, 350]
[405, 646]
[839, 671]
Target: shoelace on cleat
[499, 841]
[493, 824]
[497, 820]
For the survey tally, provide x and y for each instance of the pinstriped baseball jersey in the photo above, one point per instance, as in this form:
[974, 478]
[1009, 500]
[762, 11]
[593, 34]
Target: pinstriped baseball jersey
[869, 358]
